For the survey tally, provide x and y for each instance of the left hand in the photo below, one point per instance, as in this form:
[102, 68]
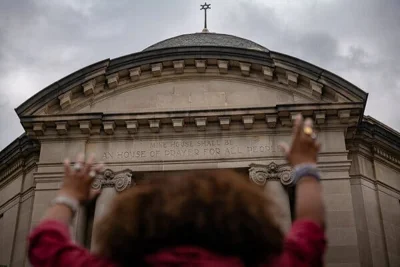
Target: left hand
[78, 180]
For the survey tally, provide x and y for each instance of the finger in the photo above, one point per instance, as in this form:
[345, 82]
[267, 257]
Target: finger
[93, 194]
[285, 147]
[80, 160]
[308, 122]
[297, 125]
[89, 164]
[318, 146]
[99, 168]
[67, 167]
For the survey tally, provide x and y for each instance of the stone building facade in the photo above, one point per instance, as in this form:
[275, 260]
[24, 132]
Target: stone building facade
[206, 101]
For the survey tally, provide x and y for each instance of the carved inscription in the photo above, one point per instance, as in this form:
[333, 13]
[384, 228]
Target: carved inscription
[191, 149]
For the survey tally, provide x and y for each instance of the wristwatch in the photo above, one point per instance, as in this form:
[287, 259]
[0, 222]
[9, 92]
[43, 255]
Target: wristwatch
[71, 203]
[305, 170]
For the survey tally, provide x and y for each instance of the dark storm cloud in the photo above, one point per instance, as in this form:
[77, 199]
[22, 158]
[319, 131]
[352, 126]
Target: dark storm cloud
[358, 40]
[42, 41]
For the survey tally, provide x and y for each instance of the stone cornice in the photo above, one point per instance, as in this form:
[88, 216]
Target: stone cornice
[376, 140]
[108, 74]
[132, 123]
[62, 86]
[20, 154]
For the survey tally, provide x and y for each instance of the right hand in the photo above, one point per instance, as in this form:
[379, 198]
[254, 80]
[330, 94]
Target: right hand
[304, 149]
[77, 183]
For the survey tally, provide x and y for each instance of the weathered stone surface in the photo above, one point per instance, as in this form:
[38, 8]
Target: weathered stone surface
[135, 74]
[248, 121]
[85, 126]
[132, 126]
[113, 80]
[62, 127]
[245, 68]
[88, 88]
[109, 127]
[201, 65]
[268, 73]
[156, 69]
[225, 122]
[179, 66]
[223, 66]
[65, 100]
[154, 125]
[39, 128]
[178, 124]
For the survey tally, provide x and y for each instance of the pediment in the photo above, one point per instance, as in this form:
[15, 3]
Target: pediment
[193, 93]
[223, 79]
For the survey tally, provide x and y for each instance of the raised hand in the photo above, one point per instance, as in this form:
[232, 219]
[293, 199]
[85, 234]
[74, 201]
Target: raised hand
[304, 148]
[78, 179]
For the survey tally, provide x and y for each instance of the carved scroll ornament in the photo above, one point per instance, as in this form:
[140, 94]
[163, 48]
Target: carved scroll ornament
[120, 180]
[261, 174]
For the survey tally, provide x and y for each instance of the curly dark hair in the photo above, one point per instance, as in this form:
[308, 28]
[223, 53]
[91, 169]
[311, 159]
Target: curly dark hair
[217, 210]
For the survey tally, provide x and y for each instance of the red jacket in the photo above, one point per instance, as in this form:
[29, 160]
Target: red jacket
[50, 245]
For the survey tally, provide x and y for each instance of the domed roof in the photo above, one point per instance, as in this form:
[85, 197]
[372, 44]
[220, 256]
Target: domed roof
[207, 39]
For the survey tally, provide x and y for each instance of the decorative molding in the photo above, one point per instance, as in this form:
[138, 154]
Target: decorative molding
[201, 123]
[280, 116]
[259, 174]
[223, 66]
[39, 128]
[179, 66]
[276, 61]
[386, 155]
[65, 99]
[109, 127]
[132, 126]
[292, 78]
[154, 125]
[319, 117]
[201, 65]
[224, 122]
[62, 127]
[88, 87]
[245, 68]
[248, 121]
[14, 167]
[135, 73]
[113, 80]
[344, 116]
[120, 180]
[268, 73]
[288, 120]
[178, 124]
[316, 88]
[85, 126]
[271, 120]
[156, 69]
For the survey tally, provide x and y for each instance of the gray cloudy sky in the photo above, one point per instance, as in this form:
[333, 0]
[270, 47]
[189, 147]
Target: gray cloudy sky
[42, 41]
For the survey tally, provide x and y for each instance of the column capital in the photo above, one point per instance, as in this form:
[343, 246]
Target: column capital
[260, 174]
[119, 180]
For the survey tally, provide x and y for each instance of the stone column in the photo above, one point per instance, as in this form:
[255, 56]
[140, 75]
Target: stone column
[274, 178]
[110, 184]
